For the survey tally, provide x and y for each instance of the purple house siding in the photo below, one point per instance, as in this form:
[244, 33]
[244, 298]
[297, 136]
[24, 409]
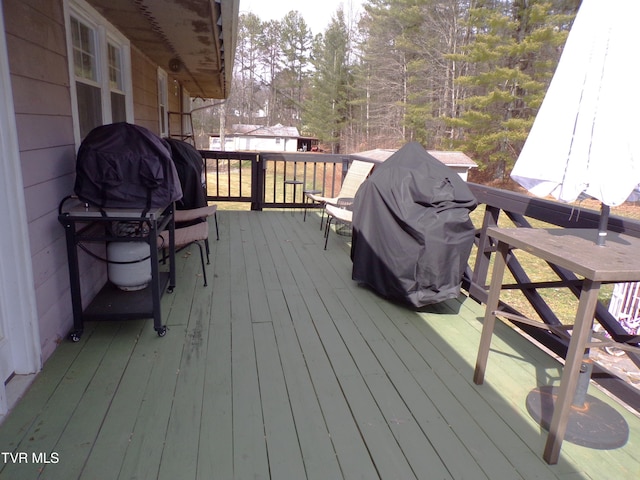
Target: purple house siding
[35, 31]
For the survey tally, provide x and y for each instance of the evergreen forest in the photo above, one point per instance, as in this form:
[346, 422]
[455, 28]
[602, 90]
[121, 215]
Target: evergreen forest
[464, 75]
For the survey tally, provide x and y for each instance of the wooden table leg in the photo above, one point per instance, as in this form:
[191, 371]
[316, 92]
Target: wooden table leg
[571, 372]
[489, 316]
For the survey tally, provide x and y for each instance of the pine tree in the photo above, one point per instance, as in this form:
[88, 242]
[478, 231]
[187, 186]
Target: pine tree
[381, 76]
[326, 110]
[271, 61]
[295, 42]
[246, 85]
[511, 61]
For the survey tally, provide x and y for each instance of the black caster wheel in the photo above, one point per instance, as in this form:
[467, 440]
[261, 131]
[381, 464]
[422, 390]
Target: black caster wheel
[162, 331]
[75, 337]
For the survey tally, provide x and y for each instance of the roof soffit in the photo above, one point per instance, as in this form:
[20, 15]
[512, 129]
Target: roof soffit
[194, 40]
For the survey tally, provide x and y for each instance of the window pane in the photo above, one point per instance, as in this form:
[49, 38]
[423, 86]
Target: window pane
[75, 31]
[115, 67]
[84, 50]
[118, 108]
[163, 121]
[89, 107]
[162, 104]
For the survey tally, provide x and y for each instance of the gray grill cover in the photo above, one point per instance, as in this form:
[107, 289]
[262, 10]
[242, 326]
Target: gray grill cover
[412, 235]
[121, 165]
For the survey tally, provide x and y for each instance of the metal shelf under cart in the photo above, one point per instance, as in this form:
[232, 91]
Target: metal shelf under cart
[87, 224]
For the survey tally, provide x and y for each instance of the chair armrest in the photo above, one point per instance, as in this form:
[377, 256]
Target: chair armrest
[340, 213]
[194, 213]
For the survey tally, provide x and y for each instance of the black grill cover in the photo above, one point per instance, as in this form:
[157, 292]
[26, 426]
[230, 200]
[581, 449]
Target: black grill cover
[190, 166]
[121, 165]
[412, 234]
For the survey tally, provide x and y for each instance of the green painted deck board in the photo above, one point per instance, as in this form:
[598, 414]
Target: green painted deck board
[285, 457]
[315, 442]
[215, 451]
[249, 447]
[119, 421]
[284, 368]
[180, 451]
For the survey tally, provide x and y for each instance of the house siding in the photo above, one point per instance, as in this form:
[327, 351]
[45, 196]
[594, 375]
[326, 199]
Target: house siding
[35, 30]
[144, 75]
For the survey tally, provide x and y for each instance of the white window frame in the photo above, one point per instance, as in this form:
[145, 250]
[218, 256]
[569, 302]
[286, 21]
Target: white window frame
[187, 121]
[163, 101]
[105, 33]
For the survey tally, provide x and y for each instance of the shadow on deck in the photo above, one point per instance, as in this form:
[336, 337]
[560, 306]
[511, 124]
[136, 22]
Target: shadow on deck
[283, 368]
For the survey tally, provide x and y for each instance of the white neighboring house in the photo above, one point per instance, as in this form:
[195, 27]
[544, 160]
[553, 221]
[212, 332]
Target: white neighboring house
[457, 161]
[277, 138]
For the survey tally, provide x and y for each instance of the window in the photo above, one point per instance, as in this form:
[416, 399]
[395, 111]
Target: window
[100, 68]
[163, 101]
[116, 84]
[86, 72]
[187, 125]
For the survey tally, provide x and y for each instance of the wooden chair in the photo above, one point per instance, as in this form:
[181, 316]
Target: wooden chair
[194, 231]
[357, 173]
[341, 213]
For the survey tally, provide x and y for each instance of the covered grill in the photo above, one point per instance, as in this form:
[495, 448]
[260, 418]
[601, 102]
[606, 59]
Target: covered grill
[122, 165]
[190, 167]
[412, 234]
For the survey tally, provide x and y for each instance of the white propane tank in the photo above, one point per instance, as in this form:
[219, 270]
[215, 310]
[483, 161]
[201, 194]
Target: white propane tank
[129, 276]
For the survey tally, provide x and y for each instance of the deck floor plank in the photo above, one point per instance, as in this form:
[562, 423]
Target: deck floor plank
[80, 434]
[285, 457]
[487, 456]
[180, 452]
[145, 448]
[480, 416]
[119, 422]
[316, 444]
[149, 435]
[47, 429]
[516, 431]
[215, 452]
[284, 368]
[249, 446]
[16, 426]
[403, 362]
[352, 452]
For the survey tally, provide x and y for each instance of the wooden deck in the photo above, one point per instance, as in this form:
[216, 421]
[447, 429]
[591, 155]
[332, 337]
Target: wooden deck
[283, 368]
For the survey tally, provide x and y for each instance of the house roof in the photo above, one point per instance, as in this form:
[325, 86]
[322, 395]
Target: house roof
[263, 131]
[453, 159]
[194, 40]
[377, 155]
[449, 158]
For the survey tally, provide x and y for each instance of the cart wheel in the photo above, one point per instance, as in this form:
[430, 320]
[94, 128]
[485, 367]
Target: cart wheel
[170, 289]
[75, 337]
[162, 331]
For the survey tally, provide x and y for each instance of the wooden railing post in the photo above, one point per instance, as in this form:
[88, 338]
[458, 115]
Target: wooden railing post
[257, 182]
[483, 256]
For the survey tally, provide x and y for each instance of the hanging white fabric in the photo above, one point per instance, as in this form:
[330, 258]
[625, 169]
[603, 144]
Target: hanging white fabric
[586, 136]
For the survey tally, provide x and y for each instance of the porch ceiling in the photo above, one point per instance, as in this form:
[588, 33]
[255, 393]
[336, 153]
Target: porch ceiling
[194, 40]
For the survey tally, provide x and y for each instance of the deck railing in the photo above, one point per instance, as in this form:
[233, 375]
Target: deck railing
[263, 179]
[272, 180]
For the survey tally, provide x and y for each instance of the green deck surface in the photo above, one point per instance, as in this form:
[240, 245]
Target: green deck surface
[284, 368]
